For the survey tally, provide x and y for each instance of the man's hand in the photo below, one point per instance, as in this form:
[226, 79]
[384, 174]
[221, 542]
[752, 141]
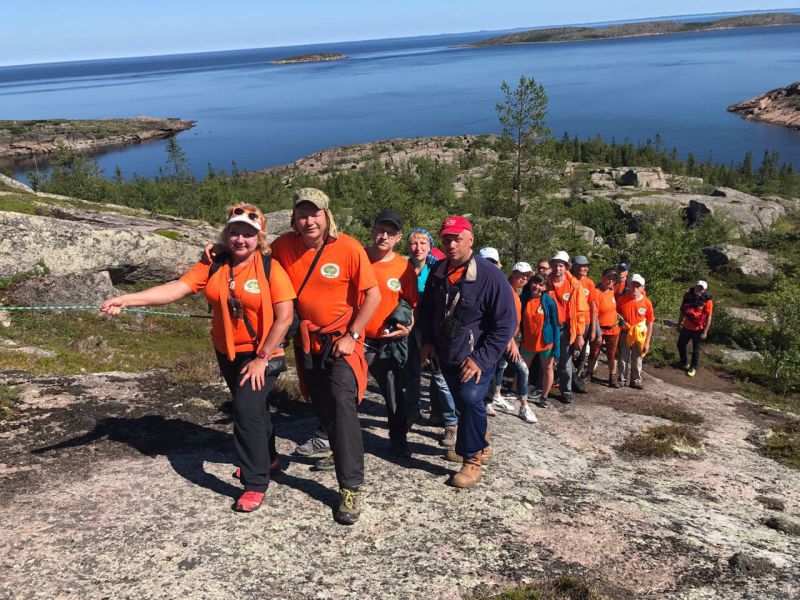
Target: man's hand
[114, 306]
[592, 334]
[401, 331]
[513, 351]
[469, 370]
[209, 252]
[704, 335]
[646, 348]
[254, 371]
[344, 346]
[579, 342]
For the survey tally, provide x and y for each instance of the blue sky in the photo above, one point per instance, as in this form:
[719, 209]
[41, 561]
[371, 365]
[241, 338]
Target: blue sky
[61, 30]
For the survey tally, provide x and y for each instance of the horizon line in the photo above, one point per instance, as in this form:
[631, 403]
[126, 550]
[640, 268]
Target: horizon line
[404, 37]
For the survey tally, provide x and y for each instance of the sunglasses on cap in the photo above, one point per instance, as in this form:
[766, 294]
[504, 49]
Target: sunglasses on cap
[238, 210]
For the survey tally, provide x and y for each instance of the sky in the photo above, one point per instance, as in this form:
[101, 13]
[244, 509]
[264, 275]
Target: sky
[64, 30]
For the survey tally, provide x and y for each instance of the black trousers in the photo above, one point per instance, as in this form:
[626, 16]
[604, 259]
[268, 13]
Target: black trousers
[684, 338]
[334, 395]
[391, 379]
[253, 434]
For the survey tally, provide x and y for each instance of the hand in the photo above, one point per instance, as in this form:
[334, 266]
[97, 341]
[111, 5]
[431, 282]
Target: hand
[704, 335]
[426, 353]
[344, 346]
[579, 342]
[646, 348]
[209, 252]
[401, 331]
[114, 306]
[513, 351]
[254, 371]
[592, 334]
[469, 370]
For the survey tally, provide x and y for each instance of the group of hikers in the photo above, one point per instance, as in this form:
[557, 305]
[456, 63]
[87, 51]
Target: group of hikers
[348, 312]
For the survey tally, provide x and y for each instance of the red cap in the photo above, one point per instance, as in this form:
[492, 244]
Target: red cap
[454, 226]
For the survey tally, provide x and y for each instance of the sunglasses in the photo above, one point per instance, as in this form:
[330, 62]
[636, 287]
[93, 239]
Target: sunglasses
[241, 211]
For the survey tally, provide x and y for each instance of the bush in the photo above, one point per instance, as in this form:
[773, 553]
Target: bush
[782, 345]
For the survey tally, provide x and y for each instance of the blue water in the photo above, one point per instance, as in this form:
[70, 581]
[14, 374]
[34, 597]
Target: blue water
[262, 115]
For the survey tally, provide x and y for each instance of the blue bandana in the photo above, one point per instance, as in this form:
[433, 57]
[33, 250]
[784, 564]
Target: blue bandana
[430, 259]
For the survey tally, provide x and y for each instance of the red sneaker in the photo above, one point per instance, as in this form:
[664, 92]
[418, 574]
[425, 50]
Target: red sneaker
[249, 501]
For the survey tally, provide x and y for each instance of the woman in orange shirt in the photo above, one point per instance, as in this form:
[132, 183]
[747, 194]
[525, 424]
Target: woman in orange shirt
[540, 334]
[251, 297]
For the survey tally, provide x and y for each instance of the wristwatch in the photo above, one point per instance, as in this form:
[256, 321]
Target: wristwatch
[354, 334]
[262, 355]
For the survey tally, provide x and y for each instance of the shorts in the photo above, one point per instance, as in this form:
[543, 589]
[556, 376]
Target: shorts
[544, 353]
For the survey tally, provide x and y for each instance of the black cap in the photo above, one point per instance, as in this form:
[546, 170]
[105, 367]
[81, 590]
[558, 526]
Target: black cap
[392, 217]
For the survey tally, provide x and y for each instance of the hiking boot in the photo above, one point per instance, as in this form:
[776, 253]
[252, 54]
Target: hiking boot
[324, 464]
[614, 383]
[566, 398]
[637, 385]
[579, 387]
[526, 414]
[349, 506]
[449, 439]
[249, 501]
[686, 367]
[469, 474]
[691, 372]
[313, 446]
[502, 404]
[486, 455]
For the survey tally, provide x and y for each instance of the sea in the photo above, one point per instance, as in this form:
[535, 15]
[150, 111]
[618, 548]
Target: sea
[258, 115]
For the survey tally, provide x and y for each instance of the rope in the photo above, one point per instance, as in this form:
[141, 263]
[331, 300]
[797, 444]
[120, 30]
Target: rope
[142, 311]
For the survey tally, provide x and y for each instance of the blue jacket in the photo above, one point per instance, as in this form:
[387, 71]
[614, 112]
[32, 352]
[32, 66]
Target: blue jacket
[551, 330]
[486, 314]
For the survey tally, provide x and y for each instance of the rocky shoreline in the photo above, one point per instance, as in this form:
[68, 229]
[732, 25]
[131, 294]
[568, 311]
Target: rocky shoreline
[308, 58]
[780, 106]
[25, 139]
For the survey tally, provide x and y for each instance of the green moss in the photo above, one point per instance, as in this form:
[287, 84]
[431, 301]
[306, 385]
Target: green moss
[783, 444]
[38, 270]
[561, 587]
[9, 398]
[169, 234]
[19, 204]
[660, 441]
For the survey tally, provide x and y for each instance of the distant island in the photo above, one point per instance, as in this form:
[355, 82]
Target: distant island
[24, 139]
[308, 58]
[627, 30]
[780, 106]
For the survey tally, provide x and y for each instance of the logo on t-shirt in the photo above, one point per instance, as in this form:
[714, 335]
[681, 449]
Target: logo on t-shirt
[585, 292]
[251, 285]
[330, 270]
[642, 311]
[394, 284]
[567, 296]
[540, 310]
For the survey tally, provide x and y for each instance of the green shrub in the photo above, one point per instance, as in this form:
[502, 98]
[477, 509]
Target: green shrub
[9, 398]
[659, 441]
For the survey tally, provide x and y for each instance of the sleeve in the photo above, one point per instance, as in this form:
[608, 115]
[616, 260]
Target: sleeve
[425, 311]
[361, 269]
[280, 286]
[552, 317]
[649, 315]
[499, 326]
[196, 277]
[710, 307]
[408, 282]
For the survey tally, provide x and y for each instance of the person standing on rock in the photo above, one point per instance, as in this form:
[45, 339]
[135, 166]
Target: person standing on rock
[637, 315]
[443, 409]
[608, 322]
[541, 334]
[467, 316]
[580, 270]
[251, 298]
[697, 310]
[387, 332]
[337, 294]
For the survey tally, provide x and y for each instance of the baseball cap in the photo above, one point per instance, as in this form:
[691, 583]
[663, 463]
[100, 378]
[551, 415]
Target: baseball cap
[392, 217]
[490, 254]
[316, 197]
[454, 226]
[239, 214]
[623, 267]
[701, 284]
[580, 260]
[562, 256]
[522, 267]
[636, 278]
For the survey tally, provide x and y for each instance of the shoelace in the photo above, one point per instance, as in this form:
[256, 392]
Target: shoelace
[348, 498]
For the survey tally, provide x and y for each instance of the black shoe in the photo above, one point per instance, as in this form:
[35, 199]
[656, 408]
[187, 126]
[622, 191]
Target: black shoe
[637, 386]
[349, 507]
[566, 398]
[324, 464]
[400, 450]
[580, 387]
[542, 403]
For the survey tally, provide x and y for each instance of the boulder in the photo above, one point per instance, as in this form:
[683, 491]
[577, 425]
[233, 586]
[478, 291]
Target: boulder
[740, 259]
[14, 184]
[648, 178]
[68, 290]
[602, 181]
[736, 356]
[587, 233]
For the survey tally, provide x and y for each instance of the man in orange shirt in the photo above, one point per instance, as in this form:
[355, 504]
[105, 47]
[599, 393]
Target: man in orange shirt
[386, 344]
[337, 294]
[636, 311]
[697, 310]
[580, 270]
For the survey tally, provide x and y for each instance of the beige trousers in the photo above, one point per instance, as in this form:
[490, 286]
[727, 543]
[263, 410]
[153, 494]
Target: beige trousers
[629, 363]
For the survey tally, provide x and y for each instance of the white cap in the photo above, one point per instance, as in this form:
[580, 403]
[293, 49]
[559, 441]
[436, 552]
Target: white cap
[701, 284]
[490, 254]
[245, 218]
[636, 278]
[522, 267]
[562, 256]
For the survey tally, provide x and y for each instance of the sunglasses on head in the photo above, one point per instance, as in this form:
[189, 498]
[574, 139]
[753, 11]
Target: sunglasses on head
[241, 211]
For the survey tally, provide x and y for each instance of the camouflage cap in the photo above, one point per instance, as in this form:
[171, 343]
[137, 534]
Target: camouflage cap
[316, 197]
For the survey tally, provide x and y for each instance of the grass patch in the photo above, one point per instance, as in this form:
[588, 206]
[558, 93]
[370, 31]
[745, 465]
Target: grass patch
[169, 234]
[783, 444]
[38, 270]
[20, 204]
[9, 398]
[662, 410]
[660, 441]
[562, 587]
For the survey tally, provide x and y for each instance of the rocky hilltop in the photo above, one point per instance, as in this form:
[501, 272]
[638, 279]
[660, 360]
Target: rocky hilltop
[24, 139]
[780, 106]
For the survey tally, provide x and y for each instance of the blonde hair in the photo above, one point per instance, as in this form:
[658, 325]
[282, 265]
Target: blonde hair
[263, 243]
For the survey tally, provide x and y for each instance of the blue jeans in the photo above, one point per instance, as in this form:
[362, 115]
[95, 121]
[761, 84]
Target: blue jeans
[441, 398]
[468, 398]
[439, 394]
[564, 366]
[522, 374]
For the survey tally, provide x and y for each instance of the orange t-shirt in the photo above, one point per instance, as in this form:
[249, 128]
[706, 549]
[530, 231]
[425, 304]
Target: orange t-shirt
[518, 305]
[587, 288]
[342, 272]
[245, 289]
[635, 311]
[532, 325]
[560, 294]
[397, 280]
[455, 275]
[606, 311]
[697, 324]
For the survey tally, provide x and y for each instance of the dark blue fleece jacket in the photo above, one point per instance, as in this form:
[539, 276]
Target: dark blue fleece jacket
[486, 312]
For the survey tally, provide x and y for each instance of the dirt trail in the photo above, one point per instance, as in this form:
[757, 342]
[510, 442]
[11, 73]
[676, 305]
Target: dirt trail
[119, 486]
